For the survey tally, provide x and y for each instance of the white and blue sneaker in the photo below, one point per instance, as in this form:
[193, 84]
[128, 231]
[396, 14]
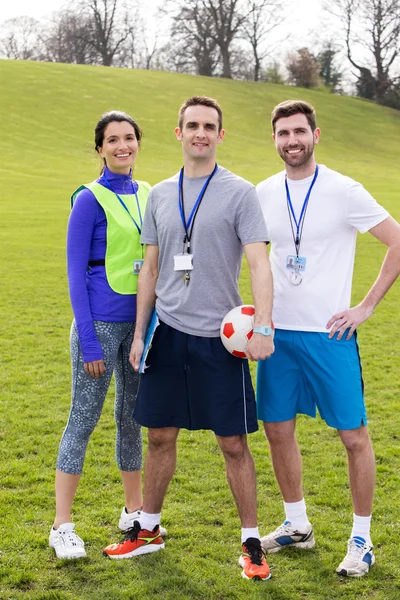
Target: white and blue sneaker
[287, 536]
[358, 560]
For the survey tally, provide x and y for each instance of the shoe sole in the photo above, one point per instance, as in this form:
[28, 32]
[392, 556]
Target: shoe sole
[256, 577]
[138, 552]
[344, 572]
[300, 545]
[75, 557]
[68, 557]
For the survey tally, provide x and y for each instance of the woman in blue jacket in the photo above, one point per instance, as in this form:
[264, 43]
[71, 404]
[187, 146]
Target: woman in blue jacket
[104, 256]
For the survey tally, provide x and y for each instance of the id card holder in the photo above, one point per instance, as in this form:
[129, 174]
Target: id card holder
[137, 265]
[296, 263]
[183, 262]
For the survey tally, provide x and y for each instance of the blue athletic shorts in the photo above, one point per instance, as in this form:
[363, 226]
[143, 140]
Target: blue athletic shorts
[308, 371]
[192, 382]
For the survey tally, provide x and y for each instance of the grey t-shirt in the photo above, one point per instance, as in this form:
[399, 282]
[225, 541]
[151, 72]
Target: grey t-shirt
[229, 217]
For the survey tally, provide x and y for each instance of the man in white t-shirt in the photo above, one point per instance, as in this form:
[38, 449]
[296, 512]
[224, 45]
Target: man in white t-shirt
[313, 215]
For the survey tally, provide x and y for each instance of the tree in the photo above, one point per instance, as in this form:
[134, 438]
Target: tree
[109, 25]
[89, 31]
[193, 48]
[380, 23]
[365, 84]
[20, 39]
[141, 48]
[242, 63]
[328, 70]
[303, 69]
[209, 27]
[227, 18]
[273, 73]
[208, 35]
[65, 39]
[149, 52]
[393, 96]
[263, 17]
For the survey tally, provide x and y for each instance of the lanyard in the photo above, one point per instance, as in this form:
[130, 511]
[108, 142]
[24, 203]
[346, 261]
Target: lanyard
[300, 223]
[186, 225]
[125, 206]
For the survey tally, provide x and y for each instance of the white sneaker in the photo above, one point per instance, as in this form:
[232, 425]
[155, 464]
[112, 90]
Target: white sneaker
[286, 536]
[127, 519]
[66, 543]
[358, 560]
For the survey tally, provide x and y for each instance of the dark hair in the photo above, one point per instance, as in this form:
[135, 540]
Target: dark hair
[200, 101]
[294, 107]
[112, 117]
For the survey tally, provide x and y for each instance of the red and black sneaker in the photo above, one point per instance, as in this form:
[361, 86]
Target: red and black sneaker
[136, 541]
[253, 561]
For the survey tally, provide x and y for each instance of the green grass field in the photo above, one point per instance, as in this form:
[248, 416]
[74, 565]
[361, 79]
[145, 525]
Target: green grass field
[48, 113]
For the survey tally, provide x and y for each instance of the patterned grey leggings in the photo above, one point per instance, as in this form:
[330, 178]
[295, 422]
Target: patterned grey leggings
[89, 393]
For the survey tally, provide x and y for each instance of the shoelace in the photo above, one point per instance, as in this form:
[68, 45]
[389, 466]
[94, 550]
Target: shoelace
[132, 533]
[71, 538]
[255, 553]
[356, 549]
[284, 528]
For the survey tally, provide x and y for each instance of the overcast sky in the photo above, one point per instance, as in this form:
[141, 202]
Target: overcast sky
[306, 25]
[303, 26]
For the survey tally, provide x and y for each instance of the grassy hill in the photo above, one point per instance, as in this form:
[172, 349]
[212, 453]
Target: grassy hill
[48, 112]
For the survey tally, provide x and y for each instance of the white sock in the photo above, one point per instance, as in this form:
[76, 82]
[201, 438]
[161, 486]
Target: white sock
[149, 521]
[362, 527]
[250, 532]
[296, 513]
[135, 512]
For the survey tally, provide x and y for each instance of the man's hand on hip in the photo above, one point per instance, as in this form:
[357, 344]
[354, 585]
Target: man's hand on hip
[348, 319]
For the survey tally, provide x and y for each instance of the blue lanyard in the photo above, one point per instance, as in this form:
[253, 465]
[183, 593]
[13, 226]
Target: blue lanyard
[299, 224]
[193, 214]
[125, 206]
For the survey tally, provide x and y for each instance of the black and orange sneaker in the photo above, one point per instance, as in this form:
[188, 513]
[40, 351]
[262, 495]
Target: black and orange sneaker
[253, 561]
[136, 541]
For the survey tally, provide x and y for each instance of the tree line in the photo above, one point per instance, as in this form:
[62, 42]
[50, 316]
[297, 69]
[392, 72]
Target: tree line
[220, 38]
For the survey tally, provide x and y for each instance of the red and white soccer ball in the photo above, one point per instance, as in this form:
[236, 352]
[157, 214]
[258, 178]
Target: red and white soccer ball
[237, 329]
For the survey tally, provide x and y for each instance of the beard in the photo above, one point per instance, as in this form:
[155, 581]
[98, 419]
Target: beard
[297, 160]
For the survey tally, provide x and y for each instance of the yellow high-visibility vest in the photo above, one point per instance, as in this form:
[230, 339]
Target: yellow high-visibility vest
[123, 239]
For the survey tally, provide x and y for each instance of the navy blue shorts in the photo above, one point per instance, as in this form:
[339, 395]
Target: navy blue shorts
[192, 382]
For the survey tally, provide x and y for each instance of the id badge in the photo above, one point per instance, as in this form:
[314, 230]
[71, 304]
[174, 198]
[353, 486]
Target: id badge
[183, 262]
[137, 265]
[296, 263]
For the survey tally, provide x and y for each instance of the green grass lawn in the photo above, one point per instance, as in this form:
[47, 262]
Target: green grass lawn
[48, 112]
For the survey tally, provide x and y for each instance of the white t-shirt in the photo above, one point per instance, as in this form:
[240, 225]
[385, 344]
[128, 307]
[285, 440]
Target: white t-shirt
[338, 207]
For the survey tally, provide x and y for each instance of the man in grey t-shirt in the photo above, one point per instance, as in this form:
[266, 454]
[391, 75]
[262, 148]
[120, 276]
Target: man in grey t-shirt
[196, 226]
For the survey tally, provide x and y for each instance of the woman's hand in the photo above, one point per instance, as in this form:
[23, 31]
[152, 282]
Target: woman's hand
[95, 368]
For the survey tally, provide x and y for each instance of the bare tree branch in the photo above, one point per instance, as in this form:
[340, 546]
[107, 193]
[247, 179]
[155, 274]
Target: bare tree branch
[110, 25]
[379, 21]
[20, 39]
[263, 17]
